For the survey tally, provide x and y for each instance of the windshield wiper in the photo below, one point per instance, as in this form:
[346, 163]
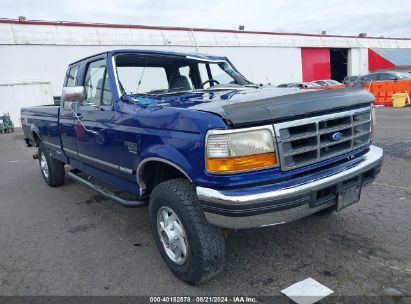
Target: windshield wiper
[165, 90]
[252, 85]
[158, 92]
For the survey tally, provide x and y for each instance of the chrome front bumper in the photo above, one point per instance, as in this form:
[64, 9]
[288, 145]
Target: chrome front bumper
[302, 195]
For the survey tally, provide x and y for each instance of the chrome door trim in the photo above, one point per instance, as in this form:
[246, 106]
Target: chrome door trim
[107, 164]
[69, 151]
[52, 145]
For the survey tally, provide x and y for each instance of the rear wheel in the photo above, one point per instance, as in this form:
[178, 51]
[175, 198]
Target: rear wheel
[51, 169]
[192, 248]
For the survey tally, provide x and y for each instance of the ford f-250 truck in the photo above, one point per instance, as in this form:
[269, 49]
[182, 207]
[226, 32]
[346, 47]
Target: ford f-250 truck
[204, 147]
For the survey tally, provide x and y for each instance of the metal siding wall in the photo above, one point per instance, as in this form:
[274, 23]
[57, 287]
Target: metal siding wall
[376, 62]
[315, 63]
[357, 61]
[15, 95]
[31, 51]
[89, 34]
[263, 64]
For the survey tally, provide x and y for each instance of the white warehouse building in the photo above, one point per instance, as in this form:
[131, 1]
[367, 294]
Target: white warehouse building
[34, 54]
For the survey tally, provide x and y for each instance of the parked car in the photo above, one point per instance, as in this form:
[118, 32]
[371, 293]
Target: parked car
[329, 83]
[349, 81]
[301, 85]
[382, 76]
[203, 147]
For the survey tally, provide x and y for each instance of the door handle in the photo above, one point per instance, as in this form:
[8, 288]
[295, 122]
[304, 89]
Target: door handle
[78, 117]
[92, 131]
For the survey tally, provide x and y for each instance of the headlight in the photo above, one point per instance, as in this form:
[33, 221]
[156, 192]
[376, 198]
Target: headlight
[373, 122]
[230, 151]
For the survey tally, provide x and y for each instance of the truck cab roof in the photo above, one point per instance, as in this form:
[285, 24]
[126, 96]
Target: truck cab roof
[198, 56]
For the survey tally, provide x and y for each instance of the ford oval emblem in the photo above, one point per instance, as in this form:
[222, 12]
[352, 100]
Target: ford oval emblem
[337, 136]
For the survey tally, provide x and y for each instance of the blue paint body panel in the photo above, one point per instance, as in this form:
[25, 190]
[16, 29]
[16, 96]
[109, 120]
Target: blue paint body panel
[171, 128]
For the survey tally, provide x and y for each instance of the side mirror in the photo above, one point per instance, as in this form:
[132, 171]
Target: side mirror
[73, 94]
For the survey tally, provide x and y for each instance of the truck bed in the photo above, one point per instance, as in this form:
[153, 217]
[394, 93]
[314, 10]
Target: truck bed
[41, 120]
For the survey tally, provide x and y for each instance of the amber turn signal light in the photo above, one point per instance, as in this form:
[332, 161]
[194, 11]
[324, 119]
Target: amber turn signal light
[241, 163]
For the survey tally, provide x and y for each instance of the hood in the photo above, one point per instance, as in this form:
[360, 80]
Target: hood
[249, 106]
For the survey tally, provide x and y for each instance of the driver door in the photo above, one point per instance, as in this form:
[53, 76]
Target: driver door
[95, 135]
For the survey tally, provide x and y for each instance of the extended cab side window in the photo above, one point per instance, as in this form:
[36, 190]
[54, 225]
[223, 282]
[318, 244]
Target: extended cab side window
[97, 84]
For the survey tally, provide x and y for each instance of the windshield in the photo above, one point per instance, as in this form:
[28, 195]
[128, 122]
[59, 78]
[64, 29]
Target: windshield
[311, 84]
[332, 82]
[350, 78]
[320, 82]
[401, 75]
[163, 74]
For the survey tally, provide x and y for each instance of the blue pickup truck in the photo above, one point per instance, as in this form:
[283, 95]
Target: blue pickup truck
[206, 149]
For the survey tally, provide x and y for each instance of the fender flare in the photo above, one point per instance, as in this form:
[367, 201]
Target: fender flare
[141, 165]
[35, 130]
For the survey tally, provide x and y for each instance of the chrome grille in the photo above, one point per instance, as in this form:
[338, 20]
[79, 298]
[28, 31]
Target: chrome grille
[310, 140]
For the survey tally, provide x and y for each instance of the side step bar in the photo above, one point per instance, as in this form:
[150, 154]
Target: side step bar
[107, 193]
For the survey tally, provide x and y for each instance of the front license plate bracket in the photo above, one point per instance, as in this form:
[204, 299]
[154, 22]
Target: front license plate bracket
[349, 194]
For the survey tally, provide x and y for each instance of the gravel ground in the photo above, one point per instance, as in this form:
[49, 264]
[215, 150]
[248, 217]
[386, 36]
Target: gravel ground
[71, 241]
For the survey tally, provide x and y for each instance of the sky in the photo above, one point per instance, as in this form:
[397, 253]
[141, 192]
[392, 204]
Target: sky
[375, 17]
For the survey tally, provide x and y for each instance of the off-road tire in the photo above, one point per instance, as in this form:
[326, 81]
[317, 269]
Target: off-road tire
[206, 246]
[56, 173]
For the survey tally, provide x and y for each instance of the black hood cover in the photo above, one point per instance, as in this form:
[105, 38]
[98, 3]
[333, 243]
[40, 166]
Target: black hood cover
[285, 104]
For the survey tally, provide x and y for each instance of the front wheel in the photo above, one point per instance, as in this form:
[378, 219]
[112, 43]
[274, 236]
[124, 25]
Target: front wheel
[192, 248]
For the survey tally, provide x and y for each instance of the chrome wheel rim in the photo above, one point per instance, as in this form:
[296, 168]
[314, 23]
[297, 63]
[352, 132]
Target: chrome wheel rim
[43, 166]
[172, 235]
